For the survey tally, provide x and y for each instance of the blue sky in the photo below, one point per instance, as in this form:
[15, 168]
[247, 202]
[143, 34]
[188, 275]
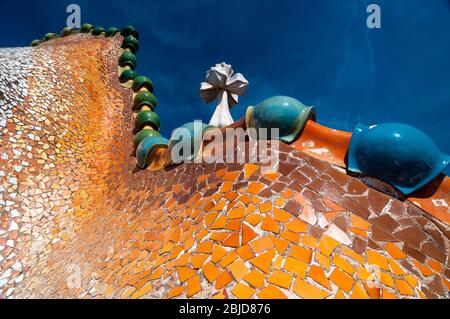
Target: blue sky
[320, 52]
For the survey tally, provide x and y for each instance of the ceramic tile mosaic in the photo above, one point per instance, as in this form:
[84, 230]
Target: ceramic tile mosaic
[79, 220]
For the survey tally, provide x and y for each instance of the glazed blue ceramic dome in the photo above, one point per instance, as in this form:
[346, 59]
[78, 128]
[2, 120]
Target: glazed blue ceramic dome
[398, 154]
[189, 133]
[146, 146]
[283, 112]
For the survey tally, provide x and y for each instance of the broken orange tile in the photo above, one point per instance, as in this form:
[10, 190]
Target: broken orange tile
[219, 235]
[300, 253]
[395, 268]
[255, 187]
[307, 291]
[184, 273]
[280, 244]
[281, 279]
[327, 245]
[352, 254]
[247, 234]
[232, 240]
[318, 275]
[271, 292]
[287, 193]
[245, 252]
[219, 223]
[436, 266]
[277, 263]
[265, 207]
[205, 247]
[323, 260]
[297, 226]
[339, 295]
[360, 223]
[218, 253]
[210, 272]
[270, 225]
[228, 259]
[281, 215]
[261, 244]
[250, 169]
[386, 279]
[245, 199]
[226, 187]
[359, 232]
[342, 280]
[295, 266]
[412, 280]
[254, 219]
[255, 278]
[210, 218]
[231, 176]
[193, 286]
[375, 258]
[359, 292]
[141, 292]
[234, 224]
[231, 196]
[256, 200]
[242, 291]
[197, 261]
[308, 240]
[280, 202]
[263, 261]
[427, 272]
[372, 289]
[238, 270]
[363, 274]
[385, 294]
[403, 287]
[291, 236]
[236, 213]
[343, 264]
[175, 292]
[223, 279]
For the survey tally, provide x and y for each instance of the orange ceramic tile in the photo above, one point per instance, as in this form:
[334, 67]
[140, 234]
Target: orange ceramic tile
[436, 266]
[176, 252]
[245, 199]
[308, 240]
[219, 223]
[232, 240]
[403, 287]
[193, 286]
[247, 234]
[271, 292]
[339, 295]
[245, 252]
[231, 176]
[385, 294]
[210, 218]
[218, 253]
[270, 225]
[359, 292]
[297, 226]
[205, 247]
[359, 232]
[386, 279]
[234, 224]
[272, 176]
[427, 272]
[280, 202]
[352, 254]
[287, 193]
[280, 278]
[254, 187]
[221, 172]
[343, 264]
[236, 213]
[185, 273]
[231, 196]
[281, 215]
[327, 245]
[363, 274]
[219, 206]
[223, 279]
[175, 292]
[280, 244]
[242, 291]
[261, 244]
[300, 253]
[308, 291]
[219, 236]
[265, 207]
[295, 266]
[277, 263]
[255, 278]
[226, 187]
[291, 236]
[141, 292]
[256, 200]
[263, 261]
[375, 258]
[323, 260]
[395, 268]
[210, 272]
[228, 259]
[238, 270]
[250, 169]
[197, 261]
[183, 259]
[318, 274]
[394, 251]
[342, 280]
[358, 222]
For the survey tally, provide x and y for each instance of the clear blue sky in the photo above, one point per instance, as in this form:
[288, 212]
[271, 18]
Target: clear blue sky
[320, 52]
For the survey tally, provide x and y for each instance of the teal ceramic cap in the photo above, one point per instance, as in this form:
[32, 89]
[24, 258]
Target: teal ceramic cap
[127, 75]
[395, 153]
[189, 134]
[112, 32]
[142, 134]
[144, 98]
[98, 30]
[129, 30]
[86, 27]
[146, 146]
[142, 81]
[146, 118]
[131, 43]
[127, 58]
[283, 112]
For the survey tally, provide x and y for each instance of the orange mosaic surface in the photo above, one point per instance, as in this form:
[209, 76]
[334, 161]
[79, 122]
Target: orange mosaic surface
[88, 224]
